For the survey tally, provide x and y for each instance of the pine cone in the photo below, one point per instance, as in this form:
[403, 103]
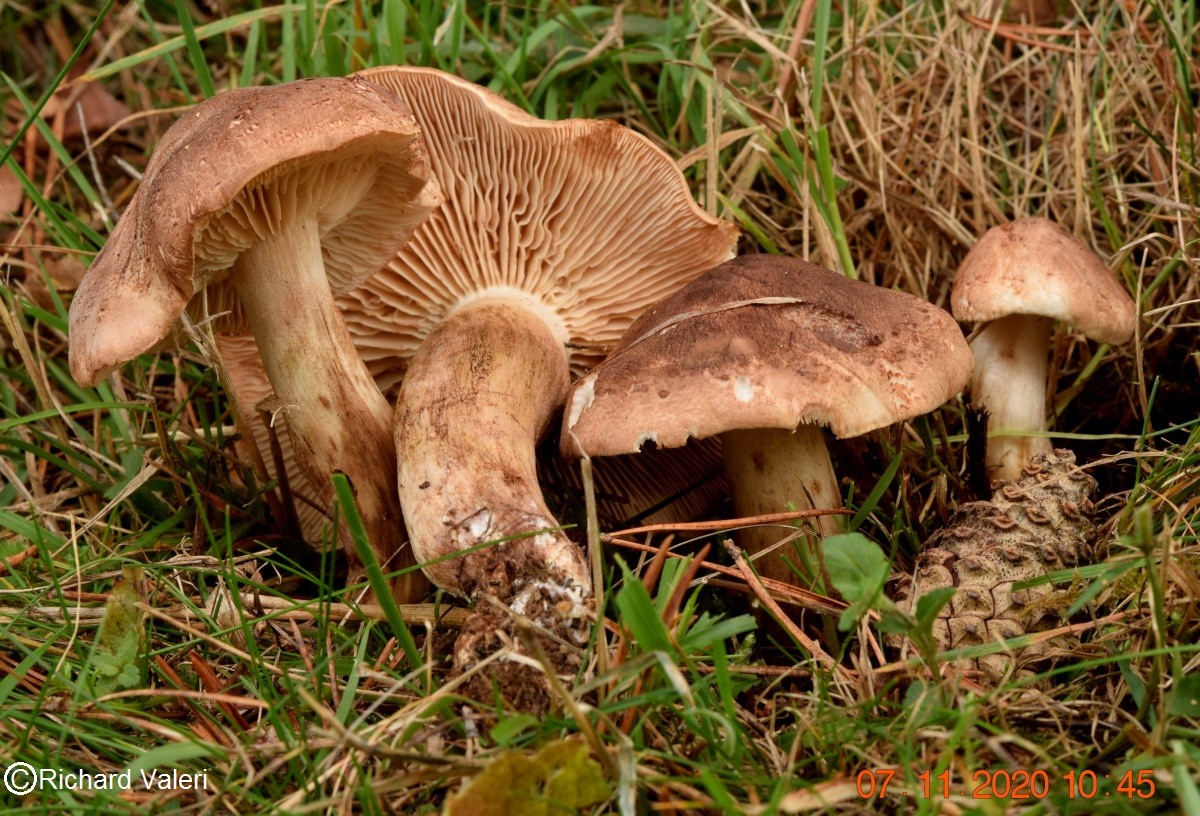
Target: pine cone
[1038, 524]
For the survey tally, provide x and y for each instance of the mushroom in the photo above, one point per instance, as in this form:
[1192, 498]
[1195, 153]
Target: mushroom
[553, 237]
[1018, 279]
[763, 350]
[272, 213]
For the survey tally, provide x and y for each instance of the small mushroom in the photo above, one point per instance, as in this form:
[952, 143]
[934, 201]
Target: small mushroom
[763, 350]
[273, 200]
[1017, 280]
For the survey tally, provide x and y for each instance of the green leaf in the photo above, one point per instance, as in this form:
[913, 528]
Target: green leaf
[1185, 701]
[925, 704]
[858, 570]
[872, 500]
[574, 779]
[638, 613]
[121, 641]
[707, 631]
[1137, 686]
[895, 623]
[930, 604]
[131, 464]
[560, 778]
[173, 755]
[1185, 785]
[508, 729]
[344, 495]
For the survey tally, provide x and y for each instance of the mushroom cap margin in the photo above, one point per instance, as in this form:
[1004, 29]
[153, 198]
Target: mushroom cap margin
[767, 342]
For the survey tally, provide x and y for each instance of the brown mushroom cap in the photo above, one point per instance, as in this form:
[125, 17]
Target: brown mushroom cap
[231, 169]
[586, 220]
[1032, 266]
[768, 342]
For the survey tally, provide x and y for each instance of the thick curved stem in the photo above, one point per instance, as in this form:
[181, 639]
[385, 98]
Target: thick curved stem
[338, 419]
[770, 470]
[1010, 384]
[478, 394]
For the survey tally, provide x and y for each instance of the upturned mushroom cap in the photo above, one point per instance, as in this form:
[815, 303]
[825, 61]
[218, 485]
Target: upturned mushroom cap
[586, 221]
[767, 342]
[1032, 266]
[231, 169]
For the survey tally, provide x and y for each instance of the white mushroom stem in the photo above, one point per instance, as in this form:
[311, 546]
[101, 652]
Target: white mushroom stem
[338, 419]
[1010, 384]
[770, 469]
[478, 394]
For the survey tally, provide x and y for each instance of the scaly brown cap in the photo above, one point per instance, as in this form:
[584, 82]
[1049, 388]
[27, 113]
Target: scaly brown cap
[1032, 266]
[765, 341]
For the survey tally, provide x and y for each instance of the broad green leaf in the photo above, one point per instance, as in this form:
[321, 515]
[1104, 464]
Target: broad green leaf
[930, 604]
[574, 779]
[1185, 700]
[508, 729]
[858, 570]
[895, 623]
[116, 661]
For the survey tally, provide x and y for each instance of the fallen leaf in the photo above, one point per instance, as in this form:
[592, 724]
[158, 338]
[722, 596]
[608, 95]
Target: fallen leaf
[101, 110]
[561, 778]
[11, 192]
[66, 271]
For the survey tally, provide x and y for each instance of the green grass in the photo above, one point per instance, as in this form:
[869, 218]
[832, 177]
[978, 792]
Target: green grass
[902, 132]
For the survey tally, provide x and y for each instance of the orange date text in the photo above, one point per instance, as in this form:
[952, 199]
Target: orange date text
[1012, 784]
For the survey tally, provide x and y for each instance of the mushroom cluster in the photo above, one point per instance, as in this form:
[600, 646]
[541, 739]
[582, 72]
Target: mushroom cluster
[513, 250]
[415, 268]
